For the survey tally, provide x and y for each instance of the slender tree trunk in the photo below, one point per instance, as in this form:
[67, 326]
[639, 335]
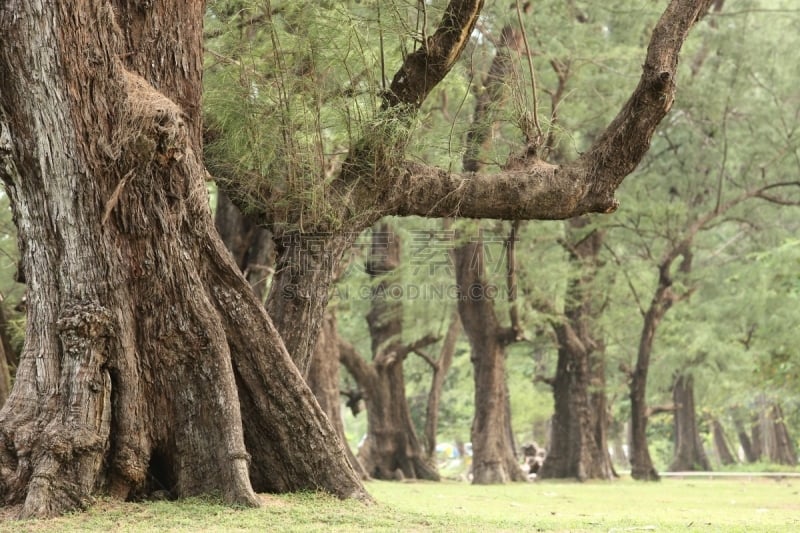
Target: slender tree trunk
[392, 449]
[757, 436]
[493, 459]
[579, 444]
[721, 444]
[744, 441]
[663, 299]
[440, 370]
[136, 311]
[689, 453]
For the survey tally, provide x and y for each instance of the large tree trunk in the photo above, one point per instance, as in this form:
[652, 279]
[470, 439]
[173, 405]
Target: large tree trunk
[135, 309]
[689, 453]
[579, 443]
[392, 449]
[493, 459]
[306, 267]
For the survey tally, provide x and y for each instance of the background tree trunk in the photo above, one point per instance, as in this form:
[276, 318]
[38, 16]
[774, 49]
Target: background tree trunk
[323, 379]
[721, 444]
[136, 312]
[251, 245]
[744, 441]
[440, 370]
[689, 453]
[392, 449]
[770, 435]
[579, 444]
[493, 459]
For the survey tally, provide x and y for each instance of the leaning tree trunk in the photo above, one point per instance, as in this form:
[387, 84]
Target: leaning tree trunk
[663, 299]
[139, 324]
[323, 379]
[721, 443]
[392, 449]
[579, 443]
[689, 453]
[493, 459]
[306, 267]
[777, 443]
[750, 452]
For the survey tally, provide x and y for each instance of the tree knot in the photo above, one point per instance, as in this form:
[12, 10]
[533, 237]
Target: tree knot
[87, 320]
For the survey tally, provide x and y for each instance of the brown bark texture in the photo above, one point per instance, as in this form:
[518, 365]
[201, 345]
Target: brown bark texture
[392, 449]
[323, 379]
[493, 458]
[440, 369]
[689, 454]
[139, 327]
[579, 436]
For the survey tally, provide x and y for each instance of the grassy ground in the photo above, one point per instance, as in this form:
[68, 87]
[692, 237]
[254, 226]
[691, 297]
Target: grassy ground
[671, 505]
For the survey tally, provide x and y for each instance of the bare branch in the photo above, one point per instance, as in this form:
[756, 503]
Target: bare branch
[359, 368]
[661, 409]
[427, 358]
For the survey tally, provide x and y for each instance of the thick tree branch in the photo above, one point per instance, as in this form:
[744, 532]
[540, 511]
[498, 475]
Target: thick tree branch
[661, 409]
[402, 352]
[358, 367]
[532, 189]
[620, 148]
[429, 64]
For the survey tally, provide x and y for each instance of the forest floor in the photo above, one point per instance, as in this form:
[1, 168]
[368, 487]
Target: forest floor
[670, 505]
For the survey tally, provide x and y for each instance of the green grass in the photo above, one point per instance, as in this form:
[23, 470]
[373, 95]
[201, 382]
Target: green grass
[671, 505]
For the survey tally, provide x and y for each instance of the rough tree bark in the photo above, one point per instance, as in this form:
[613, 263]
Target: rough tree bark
[392, 449]
[578, 440]
[689, 453]
[493, 459]
[323, 379]
[377, 180]
[139, 325]
[137, 311]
